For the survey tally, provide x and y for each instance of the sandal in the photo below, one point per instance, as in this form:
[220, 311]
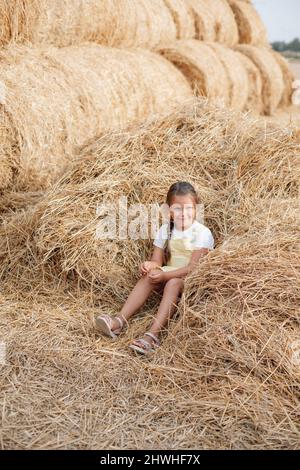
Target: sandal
[103, 323]
[144, 347]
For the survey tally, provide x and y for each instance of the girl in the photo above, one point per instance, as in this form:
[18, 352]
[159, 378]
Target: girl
[180, 244]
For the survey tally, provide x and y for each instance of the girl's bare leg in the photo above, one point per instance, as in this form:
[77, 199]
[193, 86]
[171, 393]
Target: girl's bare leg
[136, 299]
[167, 306]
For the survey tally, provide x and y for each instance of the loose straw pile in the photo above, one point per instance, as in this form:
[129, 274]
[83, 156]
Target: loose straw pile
[140, 165]
[226, 30]
[236, 73]
[232, 159]
[229, 357]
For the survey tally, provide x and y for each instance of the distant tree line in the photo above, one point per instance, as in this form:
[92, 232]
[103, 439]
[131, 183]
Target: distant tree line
[282, 46]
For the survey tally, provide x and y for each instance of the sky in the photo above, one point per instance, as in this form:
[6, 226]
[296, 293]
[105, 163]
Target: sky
[281, 17]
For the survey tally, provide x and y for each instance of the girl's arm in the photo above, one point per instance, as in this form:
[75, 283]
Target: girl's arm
[182, 272]
[157, 256]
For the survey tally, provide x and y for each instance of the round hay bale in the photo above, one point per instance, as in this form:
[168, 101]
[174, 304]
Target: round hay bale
[269, 166]
[203, 19]
[74, 93]
[269, 217]
[241, 311]
[288, 78]
[273, 86]
[267, 170]
[151, 25]
[202, 68]
[250, 26]
[288, 117]
[239, 392]
[226, 30]
[182, 17]
[129, 23]
[242, 264]
[254, 101]
[236, 73]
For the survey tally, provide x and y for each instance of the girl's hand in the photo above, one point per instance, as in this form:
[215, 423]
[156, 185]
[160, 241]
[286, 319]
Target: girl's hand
[156, 276]
[146, 267]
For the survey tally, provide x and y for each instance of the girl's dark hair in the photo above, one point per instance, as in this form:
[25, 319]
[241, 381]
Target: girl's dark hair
[180, 188]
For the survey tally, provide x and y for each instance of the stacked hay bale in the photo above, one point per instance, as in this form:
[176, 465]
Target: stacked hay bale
[98, 88]
[214, 21]
[202, 67]
[72, 94]
[273, 87]
[130, 23]
[255, 83]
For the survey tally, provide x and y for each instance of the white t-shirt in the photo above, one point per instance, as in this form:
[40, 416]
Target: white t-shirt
[199, 235]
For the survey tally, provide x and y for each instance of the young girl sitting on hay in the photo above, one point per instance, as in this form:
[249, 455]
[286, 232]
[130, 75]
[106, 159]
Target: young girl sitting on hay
[179, 244]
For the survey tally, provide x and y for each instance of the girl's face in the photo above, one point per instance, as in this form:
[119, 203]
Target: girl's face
[183, 211]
